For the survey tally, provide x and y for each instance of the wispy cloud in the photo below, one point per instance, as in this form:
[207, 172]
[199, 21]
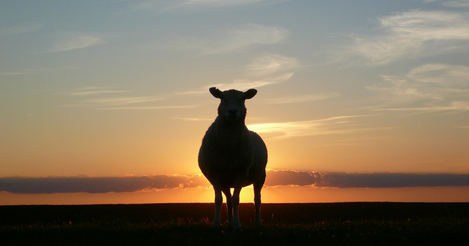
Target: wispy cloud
[98, 98]
[76, 40]
[436, 87]
[457, 3]
[408, 35]
[244, 84]
[451, 3]
[95, 92]
[236, 39]
[455, 106]
[193, 119]
[19, 29]
[269, 64]
[218, 3]
[36, 71]
[86, 91]
[265, 70]
[301, 99]
[241, 84]
[49, 185]
[252, 34]
[115, 101]
[148, 107]
[157, 6]
[333, 125]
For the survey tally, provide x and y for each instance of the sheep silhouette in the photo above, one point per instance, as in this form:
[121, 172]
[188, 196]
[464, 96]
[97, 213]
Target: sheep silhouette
[231, 156]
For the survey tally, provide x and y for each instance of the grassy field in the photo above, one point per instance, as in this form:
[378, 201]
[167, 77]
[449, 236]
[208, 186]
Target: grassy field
[283, 224]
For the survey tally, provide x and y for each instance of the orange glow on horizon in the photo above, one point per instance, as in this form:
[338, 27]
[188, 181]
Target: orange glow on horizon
[283, 194]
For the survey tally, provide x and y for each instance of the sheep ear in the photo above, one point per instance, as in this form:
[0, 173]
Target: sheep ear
[215, 92]
[250, 93]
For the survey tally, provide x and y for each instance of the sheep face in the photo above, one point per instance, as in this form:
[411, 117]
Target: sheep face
[231, 105]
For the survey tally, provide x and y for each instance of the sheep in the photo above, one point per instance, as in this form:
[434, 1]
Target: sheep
[231, 156]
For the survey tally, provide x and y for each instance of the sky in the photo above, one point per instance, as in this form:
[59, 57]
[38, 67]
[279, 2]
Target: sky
[107, 101]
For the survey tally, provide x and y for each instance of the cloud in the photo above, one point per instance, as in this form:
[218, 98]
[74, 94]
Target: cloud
[219, 3]
[363, 180]
[75, 40]
[244, 84]
[89, 99]
[48, 185]
[290, 177]
[409, 35]
[19, 29]
[241, 84]
[301, 99]
[113, 101]
[193, 119]
[159, 7]
[457, 4]
[24, 185]
[435, 87]
[391, 180]
[87, 91]
[236, 39]
[332, 125]
[453, 3]
[148, 107]
[455, 106]
[36, 71]
[251, 34]
[269, 64]
[265, 70]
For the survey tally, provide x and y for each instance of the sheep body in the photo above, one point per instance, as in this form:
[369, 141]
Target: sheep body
[231, 156]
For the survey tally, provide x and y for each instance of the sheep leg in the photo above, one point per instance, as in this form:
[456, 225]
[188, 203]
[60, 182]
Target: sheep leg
[235, 201]
[257, 199]
[229, 206]
[218, 202]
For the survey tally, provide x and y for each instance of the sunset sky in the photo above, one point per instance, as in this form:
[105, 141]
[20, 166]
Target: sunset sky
[107, 101]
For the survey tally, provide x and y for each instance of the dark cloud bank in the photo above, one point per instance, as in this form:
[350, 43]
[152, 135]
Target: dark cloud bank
[27, 185]
[44, 185]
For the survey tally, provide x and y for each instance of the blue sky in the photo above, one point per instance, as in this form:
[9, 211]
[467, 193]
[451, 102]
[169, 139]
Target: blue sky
[120, 88]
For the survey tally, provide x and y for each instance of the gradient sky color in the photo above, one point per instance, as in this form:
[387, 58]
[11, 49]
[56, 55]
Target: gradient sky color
[357, 100]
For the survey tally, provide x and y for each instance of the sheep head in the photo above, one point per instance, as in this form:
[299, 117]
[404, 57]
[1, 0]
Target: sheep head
[231, 105]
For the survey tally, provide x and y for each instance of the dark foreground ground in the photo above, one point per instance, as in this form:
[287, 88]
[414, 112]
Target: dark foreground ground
[283, 224]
